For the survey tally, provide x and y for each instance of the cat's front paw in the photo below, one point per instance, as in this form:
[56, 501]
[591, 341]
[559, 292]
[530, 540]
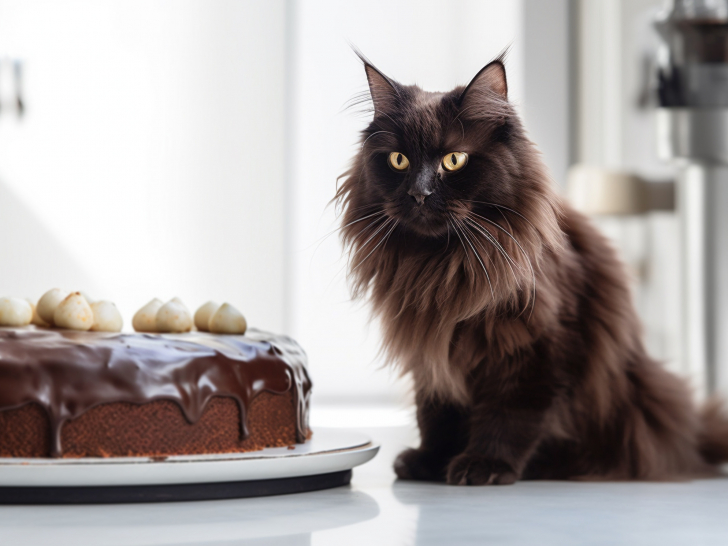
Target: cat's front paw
[473, 469]
[418, 464]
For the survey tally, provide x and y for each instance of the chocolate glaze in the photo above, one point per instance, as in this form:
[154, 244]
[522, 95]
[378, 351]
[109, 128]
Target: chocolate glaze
[69, 372]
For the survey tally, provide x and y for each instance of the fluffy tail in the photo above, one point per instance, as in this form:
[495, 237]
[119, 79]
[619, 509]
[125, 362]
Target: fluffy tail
[713, 439]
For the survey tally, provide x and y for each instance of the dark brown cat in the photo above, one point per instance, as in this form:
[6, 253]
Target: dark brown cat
[511, 312]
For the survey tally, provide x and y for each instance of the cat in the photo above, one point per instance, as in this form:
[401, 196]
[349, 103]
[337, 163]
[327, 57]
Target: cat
[510, 311]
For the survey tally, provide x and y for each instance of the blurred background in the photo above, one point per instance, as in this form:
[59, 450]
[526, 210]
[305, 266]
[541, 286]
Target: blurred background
[190, 148]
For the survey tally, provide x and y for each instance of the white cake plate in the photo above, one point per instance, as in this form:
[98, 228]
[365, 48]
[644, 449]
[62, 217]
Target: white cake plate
[324, 461]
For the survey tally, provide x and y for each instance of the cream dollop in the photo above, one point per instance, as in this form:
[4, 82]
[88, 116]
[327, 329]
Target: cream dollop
[106, 317]
[36, 320]
[174, 317]
[228, 320]
[15, 312]
[145, 320]
[203, 315]
[48, 303]
[74, 313]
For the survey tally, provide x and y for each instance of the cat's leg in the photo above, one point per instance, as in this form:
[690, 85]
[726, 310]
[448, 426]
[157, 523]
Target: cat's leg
[505, 428]
[443, 433]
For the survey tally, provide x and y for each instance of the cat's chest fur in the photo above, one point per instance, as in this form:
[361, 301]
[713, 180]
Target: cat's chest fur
[442, 335]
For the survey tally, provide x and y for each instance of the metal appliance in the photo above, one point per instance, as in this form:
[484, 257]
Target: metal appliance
[693, 132]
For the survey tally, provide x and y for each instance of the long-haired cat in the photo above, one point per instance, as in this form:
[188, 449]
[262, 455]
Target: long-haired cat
[510, 311]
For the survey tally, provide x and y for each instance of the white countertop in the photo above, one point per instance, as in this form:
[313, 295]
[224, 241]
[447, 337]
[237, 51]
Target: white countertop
[376, 509]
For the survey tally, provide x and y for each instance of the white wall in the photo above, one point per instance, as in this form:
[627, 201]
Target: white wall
[437, 44]
[150, 161]
[156, 158]
[547, 56]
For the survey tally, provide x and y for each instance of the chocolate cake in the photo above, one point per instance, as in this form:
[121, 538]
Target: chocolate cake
[67, 393]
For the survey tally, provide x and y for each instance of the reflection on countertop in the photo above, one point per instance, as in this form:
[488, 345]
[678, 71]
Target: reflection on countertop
[376, 509]
[291, 518]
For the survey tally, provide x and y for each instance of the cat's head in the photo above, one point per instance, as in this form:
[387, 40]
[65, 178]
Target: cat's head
[438, 168]
[426, 152]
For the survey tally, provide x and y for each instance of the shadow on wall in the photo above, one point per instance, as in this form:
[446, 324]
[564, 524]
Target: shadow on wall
[33, 258]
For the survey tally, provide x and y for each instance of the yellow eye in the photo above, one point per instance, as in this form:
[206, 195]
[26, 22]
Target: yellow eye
[454, 161]
[398, 161]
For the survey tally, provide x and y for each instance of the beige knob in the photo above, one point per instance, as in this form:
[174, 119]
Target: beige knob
[173, 317]
[228, 320]
[74, 313]
[15, 312]
[106, 317]
[204, 314]
[145, 320]
[48, 303]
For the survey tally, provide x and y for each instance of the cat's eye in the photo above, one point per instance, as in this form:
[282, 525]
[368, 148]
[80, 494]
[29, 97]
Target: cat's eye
[454, 161]
[398, 161]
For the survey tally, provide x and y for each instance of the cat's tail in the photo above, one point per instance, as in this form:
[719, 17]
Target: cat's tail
[713, 438]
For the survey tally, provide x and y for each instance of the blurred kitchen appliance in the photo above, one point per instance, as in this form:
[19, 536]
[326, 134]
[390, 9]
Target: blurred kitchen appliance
[693, 132]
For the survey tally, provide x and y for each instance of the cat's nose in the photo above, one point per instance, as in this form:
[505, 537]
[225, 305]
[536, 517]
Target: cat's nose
[424, 184]
[419, 195]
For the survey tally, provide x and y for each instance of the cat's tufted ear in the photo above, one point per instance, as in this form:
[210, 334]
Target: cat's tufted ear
[384, 92]
[490, 81]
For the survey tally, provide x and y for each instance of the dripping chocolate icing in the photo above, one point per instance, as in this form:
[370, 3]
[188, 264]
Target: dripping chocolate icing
[69, 372]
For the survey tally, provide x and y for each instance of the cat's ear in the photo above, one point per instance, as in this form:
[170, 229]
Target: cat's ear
[491, 80]
[384, 91]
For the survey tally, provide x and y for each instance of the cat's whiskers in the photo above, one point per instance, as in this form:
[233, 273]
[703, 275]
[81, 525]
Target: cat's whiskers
[476, 240]
[472, 237]
[493, 241]
[378, 213]
[455, 228]
[503, 207]
[364, 207]
[374, 134]
[462, 127]
[457, 118]
[362, 246]
[352, 249]
[382, 240]
[500, 114]
[525, 255]
[355, 249]
[383, 113]
[323, 238]
[463, 111]
[505, 219]
[463, 229]
[379, 228]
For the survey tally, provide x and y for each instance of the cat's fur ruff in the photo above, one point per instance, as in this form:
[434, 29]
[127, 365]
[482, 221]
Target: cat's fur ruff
[510, 311]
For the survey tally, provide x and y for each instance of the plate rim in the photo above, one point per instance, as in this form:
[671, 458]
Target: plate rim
[202, 469]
